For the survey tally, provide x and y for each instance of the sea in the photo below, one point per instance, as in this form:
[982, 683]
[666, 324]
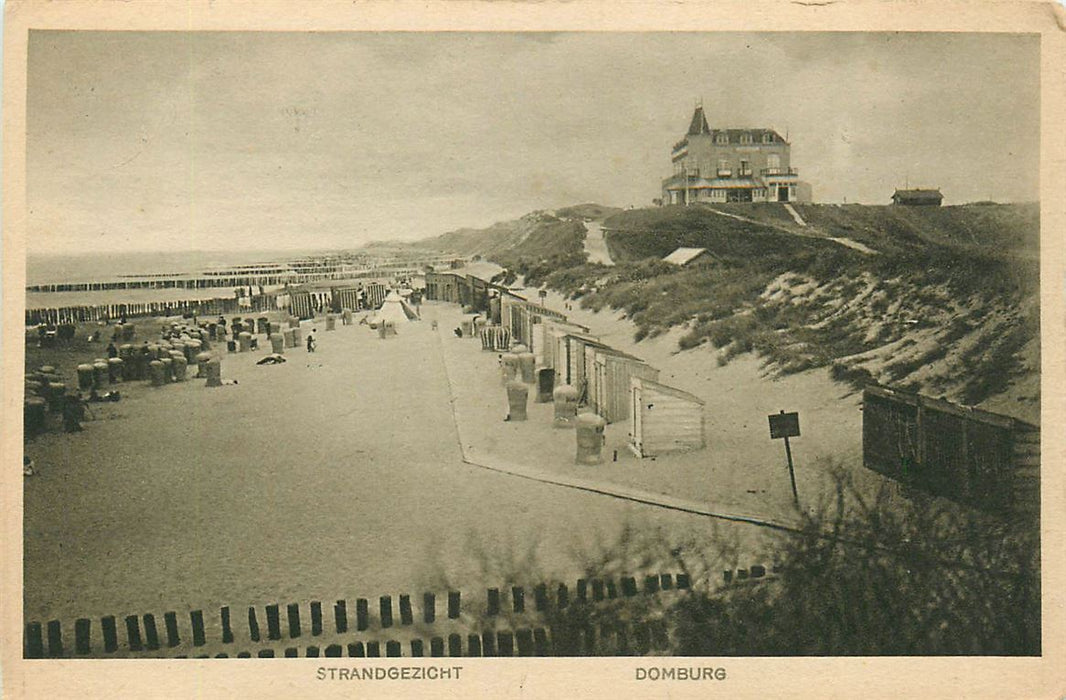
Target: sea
[100, 267]
[103, 267]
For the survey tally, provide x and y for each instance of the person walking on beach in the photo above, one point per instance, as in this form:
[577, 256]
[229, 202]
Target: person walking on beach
[311, 341]
[112, 351]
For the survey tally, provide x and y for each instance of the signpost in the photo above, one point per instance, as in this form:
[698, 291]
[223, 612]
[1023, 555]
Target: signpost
[786, 425]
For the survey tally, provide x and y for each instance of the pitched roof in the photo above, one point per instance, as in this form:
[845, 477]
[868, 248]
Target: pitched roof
[918, 194]
[672, 391]
[698, 125]
[683, 256]
[756, 135]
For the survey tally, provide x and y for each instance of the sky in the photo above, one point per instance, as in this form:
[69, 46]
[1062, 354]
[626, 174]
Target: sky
[140, 141]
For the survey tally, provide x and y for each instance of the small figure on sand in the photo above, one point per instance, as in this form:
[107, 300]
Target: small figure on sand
[112, 351]
[27, 466]
[311, 344]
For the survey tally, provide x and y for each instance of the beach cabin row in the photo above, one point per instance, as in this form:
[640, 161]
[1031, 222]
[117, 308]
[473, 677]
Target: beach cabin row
[526, 321]
[614, 384]
[465, 290]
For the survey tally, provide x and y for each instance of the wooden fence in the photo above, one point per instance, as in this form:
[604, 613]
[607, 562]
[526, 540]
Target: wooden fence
[195, 633]
[983, 459]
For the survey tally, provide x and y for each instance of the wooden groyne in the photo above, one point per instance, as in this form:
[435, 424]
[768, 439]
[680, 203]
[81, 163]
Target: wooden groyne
[212, 281]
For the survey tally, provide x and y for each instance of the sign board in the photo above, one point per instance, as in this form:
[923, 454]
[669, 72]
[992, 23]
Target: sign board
[784, 425]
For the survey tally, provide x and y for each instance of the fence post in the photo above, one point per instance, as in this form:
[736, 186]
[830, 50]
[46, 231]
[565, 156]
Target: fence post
[253, 624]
[133, 633]
[541, 645]
[316, 618]
[385, 606]
[362, 615]
[34, 641]
[151, 634]
[505, 644]
[453, 605]
[273, 622]
[227, 631]
[488, 644]
[197, 617]
[518, 599]
[540, 597]
[107, 626]
[563, 596]
[525, 642]
[294, 619]
[340, 615]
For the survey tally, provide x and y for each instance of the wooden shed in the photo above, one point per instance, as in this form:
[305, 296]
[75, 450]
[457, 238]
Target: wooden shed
[300, 304]
[524, 317]
[375, 295]
[572, 347]
[442, 286]
[610, 375]
[664, 419]
[554, 331]
[479, 294]
[345, 298]
[988, 460]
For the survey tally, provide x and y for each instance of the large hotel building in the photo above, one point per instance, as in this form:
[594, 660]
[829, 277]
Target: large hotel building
[732, 165]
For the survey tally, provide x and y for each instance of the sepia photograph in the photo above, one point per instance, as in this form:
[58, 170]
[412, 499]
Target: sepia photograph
[397, 349]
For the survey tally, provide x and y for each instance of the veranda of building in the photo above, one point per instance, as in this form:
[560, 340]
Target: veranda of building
[732, 165]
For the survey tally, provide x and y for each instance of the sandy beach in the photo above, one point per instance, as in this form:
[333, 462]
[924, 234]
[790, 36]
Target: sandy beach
[295, 484]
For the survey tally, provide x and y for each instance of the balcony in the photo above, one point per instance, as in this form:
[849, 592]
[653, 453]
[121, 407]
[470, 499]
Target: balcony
[725, 172]
[778, 172]
[744, 172]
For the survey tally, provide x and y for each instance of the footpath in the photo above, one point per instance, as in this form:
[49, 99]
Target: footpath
[595, 245]
[535, 449]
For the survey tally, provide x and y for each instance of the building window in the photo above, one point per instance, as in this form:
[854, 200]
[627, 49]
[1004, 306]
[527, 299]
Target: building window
[745, 138]
[767, 138]
[773, 163]
[721, 138]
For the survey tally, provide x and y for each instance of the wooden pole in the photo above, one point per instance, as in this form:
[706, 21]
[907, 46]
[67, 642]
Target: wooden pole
[791, 472]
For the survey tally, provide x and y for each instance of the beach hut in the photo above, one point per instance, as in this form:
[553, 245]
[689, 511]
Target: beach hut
[578, 361]
[610, 381]
[345, 298]
[664, 419]
[300, 304]
[375, 295]
[526, 321]
[554, 329]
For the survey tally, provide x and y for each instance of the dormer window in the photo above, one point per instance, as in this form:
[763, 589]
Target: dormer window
[767, 138]
[745, 138]
[721, 138]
